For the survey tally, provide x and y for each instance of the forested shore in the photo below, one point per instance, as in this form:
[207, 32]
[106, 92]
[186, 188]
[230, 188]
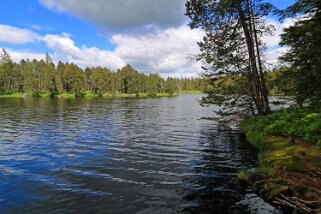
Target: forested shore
[42, 78]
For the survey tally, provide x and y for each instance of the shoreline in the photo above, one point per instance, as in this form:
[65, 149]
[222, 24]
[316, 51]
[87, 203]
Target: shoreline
[289, 168]
[85, 95]
[92, 95]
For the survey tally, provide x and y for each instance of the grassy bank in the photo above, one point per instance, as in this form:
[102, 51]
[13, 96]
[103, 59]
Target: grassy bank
[20, 95]
[191, 92]
[12, 95]
[289, 170]
[302, 123]
[88, 95]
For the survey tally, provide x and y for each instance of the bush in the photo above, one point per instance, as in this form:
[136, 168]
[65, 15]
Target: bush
[304, 123]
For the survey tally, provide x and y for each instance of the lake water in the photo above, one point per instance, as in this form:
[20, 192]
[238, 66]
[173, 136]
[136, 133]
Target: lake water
[118, 156]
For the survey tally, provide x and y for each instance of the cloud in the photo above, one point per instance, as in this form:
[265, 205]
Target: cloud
[165, 51]
[39, 27]
[274, 51]
[275, 39]
[66, 50]
[14, 35]
[272, 56]
[17, 55]
[124, 14]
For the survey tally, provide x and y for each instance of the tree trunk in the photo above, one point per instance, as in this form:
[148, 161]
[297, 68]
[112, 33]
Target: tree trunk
[253, 60]
[265, 93]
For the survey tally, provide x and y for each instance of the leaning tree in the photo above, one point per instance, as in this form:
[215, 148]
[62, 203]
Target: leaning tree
[232, 44]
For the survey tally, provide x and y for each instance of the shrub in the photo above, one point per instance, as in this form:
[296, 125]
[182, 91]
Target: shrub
[304, 123]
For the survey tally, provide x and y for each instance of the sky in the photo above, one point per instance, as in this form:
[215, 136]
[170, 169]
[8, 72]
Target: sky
[151, 35]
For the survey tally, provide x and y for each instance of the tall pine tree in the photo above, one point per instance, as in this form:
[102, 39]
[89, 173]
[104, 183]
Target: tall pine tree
[232, 44]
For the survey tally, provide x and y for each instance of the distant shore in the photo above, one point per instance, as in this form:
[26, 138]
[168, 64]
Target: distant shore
[93, 95]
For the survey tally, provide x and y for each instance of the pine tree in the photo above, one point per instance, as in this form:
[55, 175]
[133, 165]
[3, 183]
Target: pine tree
[7, 71]
[232, 44]
[303, 57]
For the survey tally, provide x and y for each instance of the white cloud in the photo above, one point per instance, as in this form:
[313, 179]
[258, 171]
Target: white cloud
[274, 51]
[124, 14]
[272, 56]
[66, 50]
[39, 27]
[275, 39]
[17, 55]
[165, 51]
[14, 35]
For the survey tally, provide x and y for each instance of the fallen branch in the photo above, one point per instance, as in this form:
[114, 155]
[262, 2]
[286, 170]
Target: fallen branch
[297, 203]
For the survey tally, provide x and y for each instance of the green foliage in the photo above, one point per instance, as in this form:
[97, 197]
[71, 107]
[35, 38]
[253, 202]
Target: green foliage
[244, 174]
[19, 94]
[304, 41]
[171, 86]
[304, 123]
[232, 44]
[231, 93]
[266, 172]
[257, 138]
[319, 144]
[43, 78]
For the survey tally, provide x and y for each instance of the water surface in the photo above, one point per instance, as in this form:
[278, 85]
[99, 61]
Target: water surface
[118, 156]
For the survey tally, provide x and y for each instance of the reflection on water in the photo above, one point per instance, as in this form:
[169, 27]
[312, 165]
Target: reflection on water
[215, 188]
[117, 156]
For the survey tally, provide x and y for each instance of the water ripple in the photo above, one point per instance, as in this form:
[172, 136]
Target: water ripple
[117, 156]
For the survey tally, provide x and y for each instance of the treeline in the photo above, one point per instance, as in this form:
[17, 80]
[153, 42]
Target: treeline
[232, 83]
[38, 77]
[281, 81]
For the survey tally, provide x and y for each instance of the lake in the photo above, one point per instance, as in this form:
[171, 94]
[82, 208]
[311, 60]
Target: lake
[153, 155]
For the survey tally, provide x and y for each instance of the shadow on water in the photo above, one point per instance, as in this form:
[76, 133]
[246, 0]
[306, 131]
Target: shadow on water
[214, 188]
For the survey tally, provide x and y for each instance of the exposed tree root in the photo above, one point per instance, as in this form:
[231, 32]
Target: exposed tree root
[299, 205]
[291, 195]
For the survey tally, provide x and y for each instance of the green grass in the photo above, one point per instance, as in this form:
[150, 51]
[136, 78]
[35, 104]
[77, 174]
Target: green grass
[191, 92]
[165, 95]
[244, 174]
[273, 135]
[21, 94]
[13, 95]
[278, 153]
[287, 140]
[278, 156]
[42, 94]
[67, 95]
[142, 95]
[86, 95]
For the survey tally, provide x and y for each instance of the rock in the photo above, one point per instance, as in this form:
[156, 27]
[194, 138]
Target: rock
[252, 171]
[256, 205]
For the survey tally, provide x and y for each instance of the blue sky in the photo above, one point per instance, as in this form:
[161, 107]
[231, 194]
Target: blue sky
[149, 34]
